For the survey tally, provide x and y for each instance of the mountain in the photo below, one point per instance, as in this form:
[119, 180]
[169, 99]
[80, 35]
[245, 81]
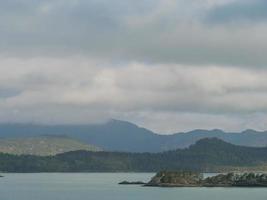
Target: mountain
[116, 135]
[43, 145]
[112, 136]
[207, 155]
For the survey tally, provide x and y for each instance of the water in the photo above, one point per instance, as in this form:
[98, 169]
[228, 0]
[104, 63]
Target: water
[104, 186]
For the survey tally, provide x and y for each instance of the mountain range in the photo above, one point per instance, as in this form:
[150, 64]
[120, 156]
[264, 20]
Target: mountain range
[207, 155]
[123, 136]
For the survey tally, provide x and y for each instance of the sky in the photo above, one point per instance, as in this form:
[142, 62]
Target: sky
[167, 65]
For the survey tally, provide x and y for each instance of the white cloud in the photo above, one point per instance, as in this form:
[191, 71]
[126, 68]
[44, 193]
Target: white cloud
[84, 90]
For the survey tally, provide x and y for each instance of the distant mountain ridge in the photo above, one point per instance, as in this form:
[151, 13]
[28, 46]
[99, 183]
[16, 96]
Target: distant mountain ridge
[43, 145]
[207, 155]
[116, 135]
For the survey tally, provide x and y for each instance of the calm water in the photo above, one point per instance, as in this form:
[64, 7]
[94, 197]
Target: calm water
[103, 186]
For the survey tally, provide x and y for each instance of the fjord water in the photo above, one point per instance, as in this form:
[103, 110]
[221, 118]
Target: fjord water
[104, 186]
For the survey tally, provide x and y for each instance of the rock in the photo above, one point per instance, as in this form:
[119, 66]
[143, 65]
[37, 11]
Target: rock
[176, 179]
[221, 180]
[194, 179]
[132, 183]
[251, 180]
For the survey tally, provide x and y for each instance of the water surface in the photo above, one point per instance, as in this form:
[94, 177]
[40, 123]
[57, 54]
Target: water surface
[104, 186]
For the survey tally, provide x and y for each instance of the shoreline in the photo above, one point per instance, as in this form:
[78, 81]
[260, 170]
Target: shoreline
[194, 179]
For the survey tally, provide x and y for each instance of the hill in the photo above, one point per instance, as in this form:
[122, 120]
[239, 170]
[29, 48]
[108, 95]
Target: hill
[118, 135]
[43, 145]
[207, 155]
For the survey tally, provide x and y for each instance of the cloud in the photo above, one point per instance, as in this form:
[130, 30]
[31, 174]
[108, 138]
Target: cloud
[165, 123]
[84, 90]
[135, 85]
[240, 11]
[8, 92]
[196, 64]
[155, 31]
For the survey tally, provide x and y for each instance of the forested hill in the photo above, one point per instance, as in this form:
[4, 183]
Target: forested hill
[118, 135]
[206, 155]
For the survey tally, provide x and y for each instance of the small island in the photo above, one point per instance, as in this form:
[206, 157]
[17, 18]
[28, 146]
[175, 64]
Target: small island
[132, 183]
[195, 179]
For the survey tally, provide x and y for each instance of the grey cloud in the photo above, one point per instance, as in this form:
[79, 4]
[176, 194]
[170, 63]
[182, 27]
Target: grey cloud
[8, 92]
[132, 87]
[176, 122]
[239, 11]
[161, 97]
[154, 62]
[145, 31]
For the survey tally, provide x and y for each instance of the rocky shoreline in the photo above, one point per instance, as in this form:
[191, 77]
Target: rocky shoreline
[194, 179]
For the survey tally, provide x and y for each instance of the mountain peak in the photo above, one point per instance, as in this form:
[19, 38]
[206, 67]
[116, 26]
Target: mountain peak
[249, 131]
[120, 122]
[210, 143]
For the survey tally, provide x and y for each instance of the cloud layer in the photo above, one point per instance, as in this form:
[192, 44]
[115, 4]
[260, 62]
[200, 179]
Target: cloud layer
[171, 31]
[167, 65]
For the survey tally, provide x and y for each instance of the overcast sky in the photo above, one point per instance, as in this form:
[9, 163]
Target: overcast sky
[167, 65]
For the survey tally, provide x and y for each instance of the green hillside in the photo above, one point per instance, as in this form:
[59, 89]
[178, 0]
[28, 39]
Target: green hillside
[207, 155]
[43, 145]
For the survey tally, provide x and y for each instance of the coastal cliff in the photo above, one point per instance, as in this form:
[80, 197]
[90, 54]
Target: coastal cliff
[194, 179]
